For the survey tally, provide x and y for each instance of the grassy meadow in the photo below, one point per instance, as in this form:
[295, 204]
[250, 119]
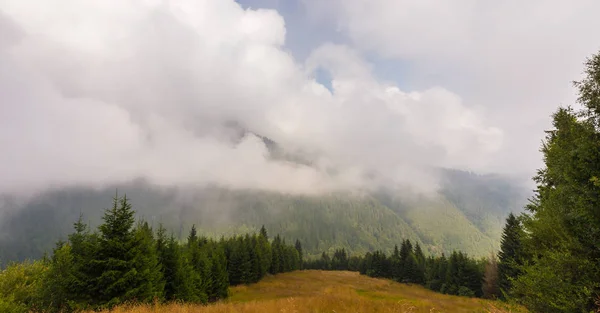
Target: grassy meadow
[329, 291]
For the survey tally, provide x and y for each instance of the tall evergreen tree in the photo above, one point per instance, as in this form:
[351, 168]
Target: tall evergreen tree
[420, 258]
[199, 261]
[511, 253]
[117, 250]
[148, 283]
[263, 232]
[264, 252]
[220, 286]
[563, 221]
[84, 248]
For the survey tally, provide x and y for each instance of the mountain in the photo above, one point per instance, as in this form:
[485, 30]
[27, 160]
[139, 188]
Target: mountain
[467, 215]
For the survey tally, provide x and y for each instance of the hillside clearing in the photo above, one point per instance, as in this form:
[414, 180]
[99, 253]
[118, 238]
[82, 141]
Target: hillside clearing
[331, 291]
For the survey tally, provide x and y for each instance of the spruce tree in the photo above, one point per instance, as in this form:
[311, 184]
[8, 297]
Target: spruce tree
[181, 282]
[396, 265]
[199, 262]
[264, 253]
[263, 232]
[59, 291]
[419, 277]
[220, 286]
[84, 248]
[276, 260]
[298, 247]
[511, 253]
[148, 283]
[115, 258]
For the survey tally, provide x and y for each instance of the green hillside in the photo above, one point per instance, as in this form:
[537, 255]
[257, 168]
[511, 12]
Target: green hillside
[465, 218]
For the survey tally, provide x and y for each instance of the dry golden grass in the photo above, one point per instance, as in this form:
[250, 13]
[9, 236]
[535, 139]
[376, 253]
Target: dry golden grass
[324, 291]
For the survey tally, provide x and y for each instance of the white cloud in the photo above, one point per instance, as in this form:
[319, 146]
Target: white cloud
[95, 92]
[515, 58]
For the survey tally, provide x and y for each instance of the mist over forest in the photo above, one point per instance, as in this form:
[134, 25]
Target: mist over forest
[165, 151]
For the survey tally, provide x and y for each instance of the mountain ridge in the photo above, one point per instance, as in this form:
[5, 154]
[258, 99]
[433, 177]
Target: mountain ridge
[357, 222]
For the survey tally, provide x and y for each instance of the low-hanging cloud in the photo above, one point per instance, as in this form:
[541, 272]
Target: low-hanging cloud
[98, 92]
[514, 58]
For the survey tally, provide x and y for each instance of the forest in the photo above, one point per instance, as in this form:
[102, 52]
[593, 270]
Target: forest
[124, 261]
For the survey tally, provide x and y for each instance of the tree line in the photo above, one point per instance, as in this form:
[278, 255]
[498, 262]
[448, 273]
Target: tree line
[124, 261]
[457, 274]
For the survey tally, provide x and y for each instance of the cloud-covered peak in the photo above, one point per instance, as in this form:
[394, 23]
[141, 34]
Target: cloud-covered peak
[96, 92]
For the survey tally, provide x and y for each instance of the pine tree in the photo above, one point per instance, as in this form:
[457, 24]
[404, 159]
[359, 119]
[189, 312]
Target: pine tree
[396, 265]
[419, 277]
[325, 261]
[220, 286]
[298, 247]
[562, 225]
[511, 253]
[439, 269]
[263, 233]
[192, 237]
[199, 263]
[169, 260]
[60, 280]
[276, 261]
[181, 284]
[339, 261]
[148, 283]
[452, 279]
[264, 253]
[115, 258]
[84, 248]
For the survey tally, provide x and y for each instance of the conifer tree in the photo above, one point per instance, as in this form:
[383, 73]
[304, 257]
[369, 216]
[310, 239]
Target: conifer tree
[298, 247]
[84, 248]
[199, 263]
[148, 283]
[276, 261]
[419, 277]
[115, 258]
[325, 261]
[396, 265]
[220, 286]
[59, 289]
[181, 282]
[263, 232]
[264, 253]
[511, 253]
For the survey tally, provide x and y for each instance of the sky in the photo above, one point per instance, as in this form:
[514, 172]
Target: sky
[371, 92]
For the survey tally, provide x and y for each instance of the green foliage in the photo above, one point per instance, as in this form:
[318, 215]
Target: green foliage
[126, 263]
[557, 282]
[22, 285]
[511, 253]
[8, 305]
[220, 283]
[122, 263]
[148, 284]
[561, 271]
[460, 275]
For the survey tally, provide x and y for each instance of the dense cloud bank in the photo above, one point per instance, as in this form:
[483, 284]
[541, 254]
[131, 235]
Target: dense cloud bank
[99, 92]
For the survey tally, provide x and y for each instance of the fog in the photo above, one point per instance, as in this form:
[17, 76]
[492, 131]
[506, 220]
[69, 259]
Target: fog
[94, 93]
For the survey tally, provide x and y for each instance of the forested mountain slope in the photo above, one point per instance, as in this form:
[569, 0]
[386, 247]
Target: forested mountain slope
[467, 215]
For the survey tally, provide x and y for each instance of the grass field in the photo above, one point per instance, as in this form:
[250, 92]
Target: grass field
[325, 291]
